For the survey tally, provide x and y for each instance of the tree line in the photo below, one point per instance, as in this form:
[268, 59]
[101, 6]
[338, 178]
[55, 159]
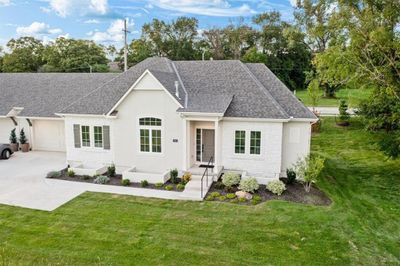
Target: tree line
[331, 44]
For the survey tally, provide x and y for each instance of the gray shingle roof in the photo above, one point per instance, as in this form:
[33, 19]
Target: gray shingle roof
[226, 86]
[43, 94]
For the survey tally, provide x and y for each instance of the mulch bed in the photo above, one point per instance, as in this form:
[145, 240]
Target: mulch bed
[116, 181]
[294, 192]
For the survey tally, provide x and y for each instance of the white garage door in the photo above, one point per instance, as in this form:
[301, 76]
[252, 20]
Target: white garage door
[6, 125]
[49, 135]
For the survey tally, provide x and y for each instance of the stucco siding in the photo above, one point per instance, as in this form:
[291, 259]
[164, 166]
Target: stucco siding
[268, 163]
[296, 143]
[6, 125]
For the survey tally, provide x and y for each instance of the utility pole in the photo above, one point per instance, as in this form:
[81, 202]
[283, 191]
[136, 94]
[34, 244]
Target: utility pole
[125, 30]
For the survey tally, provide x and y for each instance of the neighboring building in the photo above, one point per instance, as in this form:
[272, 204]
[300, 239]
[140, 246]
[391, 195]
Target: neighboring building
[162, 114]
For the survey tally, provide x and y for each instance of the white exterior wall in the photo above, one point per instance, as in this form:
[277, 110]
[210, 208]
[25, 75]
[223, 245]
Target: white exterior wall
[268, 163]
[296, 143]
[88, 155]
[6, 125]
[148, 99]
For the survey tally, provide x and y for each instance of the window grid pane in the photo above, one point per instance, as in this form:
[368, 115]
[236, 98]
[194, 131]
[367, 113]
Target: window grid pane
[240, 140]
[149, 121]
[255, 142]
[85, 136]
[144, 140]
[98, 137]
[156, 140]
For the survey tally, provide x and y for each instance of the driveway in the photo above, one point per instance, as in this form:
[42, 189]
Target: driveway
[23, 182]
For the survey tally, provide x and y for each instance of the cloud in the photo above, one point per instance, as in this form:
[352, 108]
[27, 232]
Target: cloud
[218, 8]
[45, 9]
[91, 21]
[5, 2]
[37, 29]
[64, 8]
[113, 35]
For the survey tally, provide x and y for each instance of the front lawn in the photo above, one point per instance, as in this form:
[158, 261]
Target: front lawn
[360, 227]
[353, 97]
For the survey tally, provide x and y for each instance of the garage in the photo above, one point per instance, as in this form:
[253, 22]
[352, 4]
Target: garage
[48, 135]
[6, 125]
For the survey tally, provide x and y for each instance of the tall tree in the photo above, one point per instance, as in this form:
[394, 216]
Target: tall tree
[138, 50]
[366, 52]
[217, 42]
[26, 55]
[70, 55]
[1, 58]
[314, 18]
[239, 38]
[287, 55]
[174, 40]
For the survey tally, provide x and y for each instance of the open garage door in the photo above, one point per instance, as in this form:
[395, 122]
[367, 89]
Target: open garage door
[49, 135]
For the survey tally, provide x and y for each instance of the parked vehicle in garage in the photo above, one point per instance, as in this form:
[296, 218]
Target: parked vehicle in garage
[5, 151]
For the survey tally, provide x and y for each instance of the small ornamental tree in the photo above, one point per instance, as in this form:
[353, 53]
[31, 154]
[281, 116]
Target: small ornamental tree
[308, 170]
[22, 137]
[344, 116]
[13, 137]
[314, 93]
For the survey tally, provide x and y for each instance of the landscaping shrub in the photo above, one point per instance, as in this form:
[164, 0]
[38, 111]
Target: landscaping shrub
[86, 177]
[230, 179]
[186, 177]
[144, 183]
[125, 182]
[174, 176]
[180, 186]
[219, 185]
[290, 175]
[222, 198]
[242, 199]
[13, 137]
[158, 185]
[344, 116]
[231, 195]
[277, 187]
[54, 174]
[209, 198]
[111, 170]
[169, 187]
[256, 199]
[70, 173]
[101, 179]
[215, 194]
[249, 185]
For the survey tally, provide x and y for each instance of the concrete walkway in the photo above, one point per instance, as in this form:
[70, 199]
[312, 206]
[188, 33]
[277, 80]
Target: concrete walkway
[330, 111]
[23, 183]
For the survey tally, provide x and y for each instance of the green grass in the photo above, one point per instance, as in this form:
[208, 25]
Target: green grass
[352, 96]
[361, 227]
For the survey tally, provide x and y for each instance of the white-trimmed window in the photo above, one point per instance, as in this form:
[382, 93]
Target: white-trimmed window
[255, 142]
[98, 136]
[150, 134]
[85, 134]
[240, 141]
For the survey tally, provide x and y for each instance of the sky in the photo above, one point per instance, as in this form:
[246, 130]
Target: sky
[102, 20]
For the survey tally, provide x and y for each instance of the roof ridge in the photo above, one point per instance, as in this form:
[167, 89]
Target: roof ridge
[181, 81]
[283, 84]
[263, 89]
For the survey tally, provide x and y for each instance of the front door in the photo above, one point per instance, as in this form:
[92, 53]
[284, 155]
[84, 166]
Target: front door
[208, 147]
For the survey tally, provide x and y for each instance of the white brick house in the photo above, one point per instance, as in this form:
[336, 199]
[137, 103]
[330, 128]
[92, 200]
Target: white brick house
[162, 114]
